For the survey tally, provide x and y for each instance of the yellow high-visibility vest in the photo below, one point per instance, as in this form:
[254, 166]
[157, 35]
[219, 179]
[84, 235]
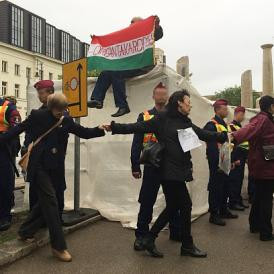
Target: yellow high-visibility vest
[148, 137]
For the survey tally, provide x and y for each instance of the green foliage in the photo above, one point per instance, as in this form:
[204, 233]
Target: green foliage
[233, 96]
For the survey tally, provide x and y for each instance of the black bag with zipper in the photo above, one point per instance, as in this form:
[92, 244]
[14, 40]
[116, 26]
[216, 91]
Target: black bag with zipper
[268, 152]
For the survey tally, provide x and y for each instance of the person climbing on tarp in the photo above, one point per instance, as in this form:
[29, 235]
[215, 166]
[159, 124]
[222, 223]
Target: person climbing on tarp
[120, 55]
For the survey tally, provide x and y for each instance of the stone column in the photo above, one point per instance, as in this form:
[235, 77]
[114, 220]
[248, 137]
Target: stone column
[267, 70]
[182, 67]
[246, 89]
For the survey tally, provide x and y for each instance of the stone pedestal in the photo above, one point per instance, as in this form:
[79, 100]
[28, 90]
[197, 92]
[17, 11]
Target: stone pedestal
[246, 89]
[267, 70]
[182, 67]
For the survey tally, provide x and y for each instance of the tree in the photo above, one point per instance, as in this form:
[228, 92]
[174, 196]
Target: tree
[233, 95]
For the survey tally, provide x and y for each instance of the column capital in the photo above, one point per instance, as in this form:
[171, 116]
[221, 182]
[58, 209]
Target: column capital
[267, 46]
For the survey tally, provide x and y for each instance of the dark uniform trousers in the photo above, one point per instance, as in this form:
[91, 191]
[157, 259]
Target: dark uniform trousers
[147, 198]
[177, 199]
[45, 211]
[236, 178]
[218, 190]
[261, 209]
[6, 184]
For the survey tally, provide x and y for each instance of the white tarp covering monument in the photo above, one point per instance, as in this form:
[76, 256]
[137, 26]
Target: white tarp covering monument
[106, 181]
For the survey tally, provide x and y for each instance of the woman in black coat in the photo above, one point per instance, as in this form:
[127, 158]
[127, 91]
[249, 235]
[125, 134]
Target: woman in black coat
[44, 164]
[176, 167]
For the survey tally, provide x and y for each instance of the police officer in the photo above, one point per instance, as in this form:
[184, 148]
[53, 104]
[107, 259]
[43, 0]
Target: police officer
[9, 117]
[239, 157]
[218, 186]
[44, 89]
[151, 177]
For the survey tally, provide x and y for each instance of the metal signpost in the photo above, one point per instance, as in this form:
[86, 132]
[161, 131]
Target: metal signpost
[75, 89]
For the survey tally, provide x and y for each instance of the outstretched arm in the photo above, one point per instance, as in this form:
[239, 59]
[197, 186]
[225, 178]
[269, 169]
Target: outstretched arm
[150, 126]
[207, 136]
[84, 132]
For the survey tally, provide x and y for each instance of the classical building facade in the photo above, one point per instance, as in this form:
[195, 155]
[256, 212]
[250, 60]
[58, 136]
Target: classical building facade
[31, 49]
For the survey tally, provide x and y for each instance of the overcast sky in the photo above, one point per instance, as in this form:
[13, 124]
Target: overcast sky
[221, 37]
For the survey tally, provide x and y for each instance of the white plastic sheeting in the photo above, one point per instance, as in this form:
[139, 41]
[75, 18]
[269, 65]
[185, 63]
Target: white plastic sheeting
[106, 181]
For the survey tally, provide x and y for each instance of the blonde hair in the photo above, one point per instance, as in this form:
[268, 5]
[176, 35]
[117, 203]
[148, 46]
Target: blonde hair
[57, 101]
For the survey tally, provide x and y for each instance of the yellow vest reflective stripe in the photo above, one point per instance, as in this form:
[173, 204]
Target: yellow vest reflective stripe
[4, 124]
[148, 137]
[244, 145]
[220, 128]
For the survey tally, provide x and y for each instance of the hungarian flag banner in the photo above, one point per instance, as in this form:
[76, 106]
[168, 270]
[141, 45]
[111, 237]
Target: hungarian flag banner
[127, 49]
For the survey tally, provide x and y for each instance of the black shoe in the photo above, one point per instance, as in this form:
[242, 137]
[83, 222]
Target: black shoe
[95, 104]
[244, 205]
[253, 230]
[176, 237]
[228, 215]
[193, 252]
[121, 112]
[150, 247]
[266, 238]
[216, 220]
[237, 207]
[138, 244]
[5, 225]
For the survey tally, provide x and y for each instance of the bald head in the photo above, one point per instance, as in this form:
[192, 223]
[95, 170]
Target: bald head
[136, 19]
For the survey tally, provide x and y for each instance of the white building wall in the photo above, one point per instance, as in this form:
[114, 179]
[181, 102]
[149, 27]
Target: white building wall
[25, 59]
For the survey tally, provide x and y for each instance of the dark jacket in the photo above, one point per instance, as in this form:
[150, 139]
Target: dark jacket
[158, 33]
[176, 164]
[50, 152]
[259, 132]
[137, 143]
[212, 151]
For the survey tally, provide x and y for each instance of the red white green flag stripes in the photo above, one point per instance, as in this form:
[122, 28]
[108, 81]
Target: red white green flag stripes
[130, 48]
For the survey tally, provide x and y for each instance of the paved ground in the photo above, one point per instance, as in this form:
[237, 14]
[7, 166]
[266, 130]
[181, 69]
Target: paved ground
[105, 247]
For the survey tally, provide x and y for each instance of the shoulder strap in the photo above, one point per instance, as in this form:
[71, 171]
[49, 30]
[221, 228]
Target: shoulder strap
[48, 131]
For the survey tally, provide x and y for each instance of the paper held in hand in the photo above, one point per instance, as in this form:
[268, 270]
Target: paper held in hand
[225, 157]
[188, 139]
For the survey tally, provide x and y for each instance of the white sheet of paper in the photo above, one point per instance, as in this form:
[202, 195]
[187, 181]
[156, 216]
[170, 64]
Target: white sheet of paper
[188, 139]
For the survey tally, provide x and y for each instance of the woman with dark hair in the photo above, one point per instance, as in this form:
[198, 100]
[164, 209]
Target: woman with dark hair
[176, 167]
[260, 134]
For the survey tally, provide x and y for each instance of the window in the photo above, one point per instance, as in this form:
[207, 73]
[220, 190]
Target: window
[86, 49]
[50, 76]
[50, 41]
[41, 74]
[60, 77]
[36, 34]
[65, 47]
[4, 66]
[4, 88]
[17, 90]
[17, 27]
[75, 49]
[17, 69]
[28, 73]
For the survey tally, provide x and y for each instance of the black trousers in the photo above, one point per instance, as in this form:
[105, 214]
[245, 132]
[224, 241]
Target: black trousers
[236, 178]
[45, 211]
[261, 209]
[218, 191]
[177, 198]
[147, 198]
[7, 181]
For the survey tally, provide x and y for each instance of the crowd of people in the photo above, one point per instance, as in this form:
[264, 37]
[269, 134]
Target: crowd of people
[47, 130]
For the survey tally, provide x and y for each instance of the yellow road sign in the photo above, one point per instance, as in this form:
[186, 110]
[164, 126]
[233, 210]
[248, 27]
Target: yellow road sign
[75, 87]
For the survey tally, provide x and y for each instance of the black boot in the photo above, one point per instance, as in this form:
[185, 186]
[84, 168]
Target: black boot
[228, 215]
[150, 247]
[216, 220]
[237, 207]
[121, 112]
[193, 252]
[266, 238]
[5, 225]
[95, 104]
[138, 244]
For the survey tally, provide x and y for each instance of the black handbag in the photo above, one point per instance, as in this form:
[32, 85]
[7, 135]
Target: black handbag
[152, 154]
[268, 152]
